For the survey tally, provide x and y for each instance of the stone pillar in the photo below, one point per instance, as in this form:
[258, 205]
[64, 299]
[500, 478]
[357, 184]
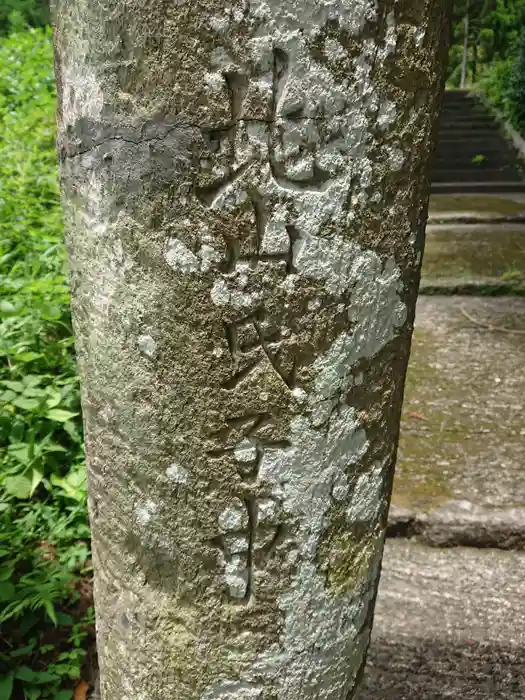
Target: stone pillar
[245, 193]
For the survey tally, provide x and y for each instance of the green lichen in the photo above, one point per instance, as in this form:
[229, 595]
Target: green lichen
[346, 554]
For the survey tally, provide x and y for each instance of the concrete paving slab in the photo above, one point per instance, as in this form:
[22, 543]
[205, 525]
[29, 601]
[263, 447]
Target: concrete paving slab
[449, 625]
[460, 476]
[472, 208]
[475, 258]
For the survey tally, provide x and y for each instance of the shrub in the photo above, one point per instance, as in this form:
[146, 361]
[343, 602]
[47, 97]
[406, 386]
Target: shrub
[44, 536]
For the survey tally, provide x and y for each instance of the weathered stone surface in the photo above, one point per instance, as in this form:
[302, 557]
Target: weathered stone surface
[476, 207]
[460, 476]
[483, 258]
[449, 625]
[245, 190]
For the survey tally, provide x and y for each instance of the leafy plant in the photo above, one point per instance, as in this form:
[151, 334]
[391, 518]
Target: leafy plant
[48, 679]
[479, 159]
[44, 534]
[18, 14]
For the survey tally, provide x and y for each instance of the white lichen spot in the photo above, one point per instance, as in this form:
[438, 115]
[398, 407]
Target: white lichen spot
[82, 95]
[177, 474]
[179, 257]
[237, 544]
[419, 36]
[387, 114]
[302, 475]
[366, 496]
[233, 518]
[333, 50]
[303, 478]
[220, 294]
[275, 239]
[233, 690]
[219, 58]
[313, 15]
[236, 575]
[340, 487]
[147, 345]
[266, 510]
[219, 24]
[208, 256]
[214, 81]
[391, 34]
[245, 451]
[146, 512]
[396, 159]
[299, 395]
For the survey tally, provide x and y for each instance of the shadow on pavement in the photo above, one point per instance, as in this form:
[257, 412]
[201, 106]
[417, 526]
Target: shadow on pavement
[440, 670]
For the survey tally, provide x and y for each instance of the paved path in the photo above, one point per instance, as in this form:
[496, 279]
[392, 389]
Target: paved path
[450, 618]
[460, 475]
[449, 625]
[476, 207]
[474, 259]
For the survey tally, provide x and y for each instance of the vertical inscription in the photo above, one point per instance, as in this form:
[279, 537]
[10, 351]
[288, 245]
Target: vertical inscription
[259, 177]
[252, 339]
[250, 527]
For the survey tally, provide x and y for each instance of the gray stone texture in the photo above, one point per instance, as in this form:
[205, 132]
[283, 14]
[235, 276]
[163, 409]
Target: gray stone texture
[449, 625]
[245, 193]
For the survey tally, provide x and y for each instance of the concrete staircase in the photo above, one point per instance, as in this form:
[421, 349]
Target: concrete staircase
[473, 154]
[449, 622]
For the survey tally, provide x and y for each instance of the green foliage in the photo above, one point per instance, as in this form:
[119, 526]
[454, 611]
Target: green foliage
[479, 159]
[18, 14]
[496, 52]
[44, 535]
[515, 89]
[39, 666]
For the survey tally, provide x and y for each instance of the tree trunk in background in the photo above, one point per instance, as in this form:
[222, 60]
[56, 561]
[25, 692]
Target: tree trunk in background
[245, 191]
[464, 64]
[475, 57]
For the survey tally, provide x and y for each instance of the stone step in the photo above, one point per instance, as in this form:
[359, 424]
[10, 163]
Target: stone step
[467, 150]
[476, 188]
[493, 142]
[478, 161]
[449, 625]
[465, 107]
[451, 149]
[481, 131]
[474, 259]
[464, 115]
[448, 121]
[460, 478]
[475, 128]
[467, 135]
[458, 94]
[451, 96]
[473, 175]
[486, 207]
